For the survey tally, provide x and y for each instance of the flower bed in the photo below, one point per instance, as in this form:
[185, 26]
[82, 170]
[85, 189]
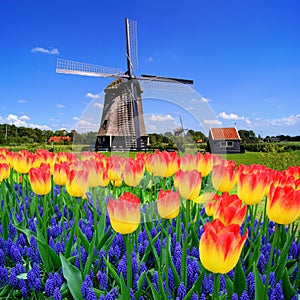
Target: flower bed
[157, 226]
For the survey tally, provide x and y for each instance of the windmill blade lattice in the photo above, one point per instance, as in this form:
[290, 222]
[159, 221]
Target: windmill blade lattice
[132, 51]
[80, 68]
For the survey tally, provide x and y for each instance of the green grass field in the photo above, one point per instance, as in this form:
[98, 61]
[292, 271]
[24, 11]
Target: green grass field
[277, 161]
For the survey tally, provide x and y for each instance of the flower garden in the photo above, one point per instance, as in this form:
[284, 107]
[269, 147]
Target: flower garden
[156, 226]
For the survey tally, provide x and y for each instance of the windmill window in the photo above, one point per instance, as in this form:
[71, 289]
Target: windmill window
[104, 124]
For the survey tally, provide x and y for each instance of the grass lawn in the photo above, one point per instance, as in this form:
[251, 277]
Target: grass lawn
[278, 161]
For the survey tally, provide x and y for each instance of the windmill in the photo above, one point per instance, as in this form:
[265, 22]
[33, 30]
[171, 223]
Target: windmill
[180, 131]
[122, 123]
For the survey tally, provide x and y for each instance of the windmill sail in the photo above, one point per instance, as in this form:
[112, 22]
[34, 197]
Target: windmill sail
[80, 68]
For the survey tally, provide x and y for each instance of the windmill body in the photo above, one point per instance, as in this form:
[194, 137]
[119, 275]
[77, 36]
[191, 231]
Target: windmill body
[122, 124]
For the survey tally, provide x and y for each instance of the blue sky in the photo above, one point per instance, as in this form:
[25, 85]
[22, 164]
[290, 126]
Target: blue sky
[243, 55]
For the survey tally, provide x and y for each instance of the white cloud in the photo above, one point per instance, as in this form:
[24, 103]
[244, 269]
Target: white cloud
[42, 127]
[86, 125]
[24, 117]
[201, 99]
[230, 116]
[92, 96]
[15, 120]
[51, 51]
[22, 101]
[60, 106]
[98, 105]
[21, 121]
[212, 122]
[150, 59]
[286, 121]
[161, 118]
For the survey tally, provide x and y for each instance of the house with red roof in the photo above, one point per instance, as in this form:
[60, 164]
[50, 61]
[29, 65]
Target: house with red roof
[58, 139]
[224, 140]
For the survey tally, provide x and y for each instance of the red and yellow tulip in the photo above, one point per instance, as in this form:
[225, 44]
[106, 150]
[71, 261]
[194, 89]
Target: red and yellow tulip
[23, 161]
[77, 183]
[229, 209]
[253, 187]
[221, 246]
[283, 204]
[124, 213]
[205, 163]
[133, 172]
[4, 171]
[189, 162]
[60, 174]
[114, 166]
[223, 177]
[168, 204]
[188, 183]
[40, 179]
[94, 169]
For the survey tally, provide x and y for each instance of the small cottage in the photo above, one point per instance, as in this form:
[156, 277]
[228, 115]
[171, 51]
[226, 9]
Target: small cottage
[58, 139]
[224, 140]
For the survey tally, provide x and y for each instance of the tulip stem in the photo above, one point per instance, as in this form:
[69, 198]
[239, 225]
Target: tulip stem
[183, 256]
[163, 225]
[216, 290]
[274, 243]
[77, 231]
[94, 201]
[167, 257]
[126, 238]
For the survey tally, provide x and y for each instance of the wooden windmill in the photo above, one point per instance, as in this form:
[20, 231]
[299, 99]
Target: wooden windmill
[180, 131]
[122, 123]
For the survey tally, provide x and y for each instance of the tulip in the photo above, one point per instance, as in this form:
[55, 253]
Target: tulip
[252, 187]
[133, 172]
[124, 213]
[283, 204]
[293, 171]
[77, 183]
[23, 161]
[4, 151]
[114, 166]
[163, 164]
[3, 159]
[188, 184]
[168, 204]
[205, 163]
[94, 169]
[189, 162]
[282, 178]
[157, 164]
[40, 180]
[46, 157]
[60, 174]
[223, 177]
[4, 171]
[173, 163]
[229, 209]
[221, 246]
